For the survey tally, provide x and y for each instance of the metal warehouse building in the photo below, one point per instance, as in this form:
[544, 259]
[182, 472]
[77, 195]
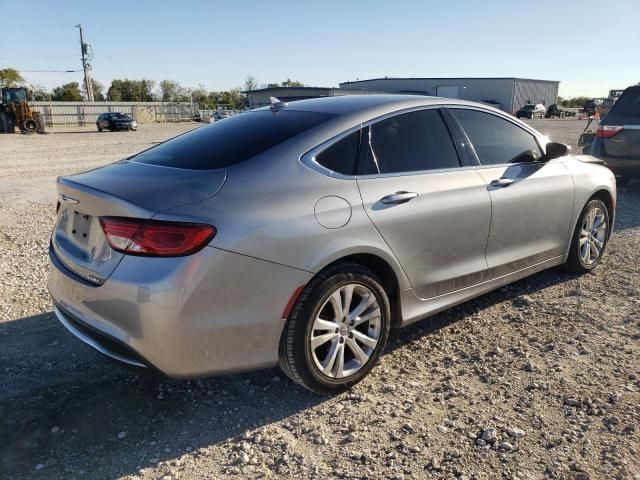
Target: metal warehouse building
[260, 97]
[509, 93]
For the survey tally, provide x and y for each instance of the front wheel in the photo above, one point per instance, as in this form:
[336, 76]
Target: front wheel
[336, 331]
[589, 238]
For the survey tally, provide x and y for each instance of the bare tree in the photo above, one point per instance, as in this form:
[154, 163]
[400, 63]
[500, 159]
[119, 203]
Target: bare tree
[250, 83]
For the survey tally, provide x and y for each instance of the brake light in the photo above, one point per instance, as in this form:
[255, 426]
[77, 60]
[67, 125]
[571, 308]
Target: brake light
[155, 238]
[608, 131]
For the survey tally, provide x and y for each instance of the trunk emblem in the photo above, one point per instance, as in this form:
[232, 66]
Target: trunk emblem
[69, 200]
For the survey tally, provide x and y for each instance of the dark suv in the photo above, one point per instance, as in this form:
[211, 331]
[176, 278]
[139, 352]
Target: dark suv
[115, 121]
[618, 136]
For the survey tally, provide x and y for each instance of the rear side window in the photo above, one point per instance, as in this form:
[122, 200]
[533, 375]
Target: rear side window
[410, 142]
[231, 141]
[497, 141]
[341, 156]
[628, 105]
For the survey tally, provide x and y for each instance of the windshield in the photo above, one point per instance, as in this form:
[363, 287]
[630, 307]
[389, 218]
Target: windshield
[118, 115]
[231, 140]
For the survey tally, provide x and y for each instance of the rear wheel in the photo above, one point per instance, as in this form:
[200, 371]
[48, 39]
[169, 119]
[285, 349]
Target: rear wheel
[29, 125]
[39, 122]
[589, 238]
[336, 331]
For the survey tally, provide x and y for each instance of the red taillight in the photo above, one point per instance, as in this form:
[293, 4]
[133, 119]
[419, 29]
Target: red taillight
[608, 131]
[155, 238]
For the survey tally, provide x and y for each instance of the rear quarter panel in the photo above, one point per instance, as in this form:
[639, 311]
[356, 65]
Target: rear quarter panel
[268, 209]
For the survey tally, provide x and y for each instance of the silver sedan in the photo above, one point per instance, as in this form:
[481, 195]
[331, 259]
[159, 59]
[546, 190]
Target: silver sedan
[299, 234]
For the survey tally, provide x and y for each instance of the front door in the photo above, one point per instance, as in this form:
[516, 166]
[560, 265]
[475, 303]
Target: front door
[531, 201]
[433, 213]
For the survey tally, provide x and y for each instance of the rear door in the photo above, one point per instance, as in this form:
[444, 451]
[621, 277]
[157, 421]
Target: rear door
[432, 210]
[531, 201]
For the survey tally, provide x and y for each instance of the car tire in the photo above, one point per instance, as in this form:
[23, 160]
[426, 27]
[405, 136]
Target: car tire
[589, 237]
[99, 128]
[333, 361]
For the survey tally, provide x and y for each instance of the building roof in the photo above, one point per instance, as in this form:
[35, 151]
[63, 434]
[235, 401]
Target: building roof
[449, 78]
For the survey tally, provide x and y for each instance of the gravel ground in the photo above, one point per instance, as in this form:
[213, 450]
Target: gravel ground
[540, 379]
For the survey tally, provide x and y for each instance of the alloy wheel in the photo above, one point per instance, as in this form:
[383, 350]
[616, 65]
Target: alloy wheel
[593, 233]
[346, 331]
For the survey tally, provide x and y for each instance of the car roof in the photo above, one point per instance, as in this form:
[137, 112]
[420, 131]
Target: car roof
[351, 104]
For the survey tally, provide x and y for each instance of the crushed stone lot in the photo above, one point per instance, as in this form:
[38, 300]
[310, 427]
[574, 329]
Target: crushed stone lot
[540, 379]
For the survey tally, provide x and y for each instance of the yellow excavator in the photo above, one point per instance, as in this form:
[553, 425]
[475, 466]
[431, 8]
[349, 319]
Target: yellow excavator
[16, 111]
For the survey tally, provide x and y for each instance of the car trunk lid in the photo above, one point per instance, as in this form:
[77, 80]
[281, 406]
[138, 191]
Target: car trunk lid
[125, 189]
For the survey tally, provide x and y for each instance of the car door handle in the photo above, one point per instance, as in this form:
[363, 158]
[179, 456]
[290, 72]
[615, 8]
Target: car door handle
[398, 197]
[502, 182]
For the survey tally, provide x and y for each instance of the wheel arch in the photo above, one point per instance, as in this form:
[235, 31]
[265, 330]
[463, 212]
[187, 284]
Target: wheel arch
[384, 271]
[609, 200]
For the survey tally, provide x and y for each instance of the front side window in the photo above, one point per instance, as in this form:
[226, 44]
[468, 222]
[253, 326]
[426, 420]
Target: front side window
[410, 142]
[496, 140]
[341, 156]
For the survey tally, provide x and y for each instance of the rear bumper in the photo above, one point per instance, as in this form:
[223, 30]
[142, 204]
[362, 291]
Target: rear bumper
[622, 167]
[209, 313]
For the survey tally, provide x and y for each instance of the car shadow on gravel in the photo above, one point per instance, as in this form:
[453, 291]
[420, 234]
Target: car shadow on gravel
[628, 209]
[69, 411]
[65, 406]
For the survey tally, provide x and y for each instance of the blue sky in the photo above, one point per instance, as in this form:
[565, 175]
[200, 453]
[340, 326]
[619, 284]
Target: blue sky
[321, 43]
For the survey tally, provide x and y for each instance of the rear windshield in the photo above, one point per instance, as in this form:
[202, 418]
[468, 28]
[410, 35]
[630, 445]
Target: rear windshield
[628, 105]
[232, 140]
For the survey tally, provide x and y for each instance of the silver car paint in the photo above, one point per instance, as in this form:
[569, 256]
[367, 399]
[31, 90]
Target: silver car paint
[221, 309]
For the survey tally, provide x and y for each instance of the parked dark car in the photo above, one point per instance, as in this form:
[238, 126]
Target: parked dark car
[555, 111]
[532, 111]
[617, 140]
[115, 121]
[590, 107]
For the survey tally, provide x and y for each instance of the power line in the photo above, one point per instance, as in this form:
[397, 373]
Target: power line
[49, 56]
[49, 71]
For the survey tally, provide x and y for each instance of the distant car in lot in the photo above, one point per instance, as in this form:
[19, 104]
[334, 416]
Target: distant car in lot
[555, 111]
[116, 121]
[590, 107]
[617, 140]
[300, 234]
[532, 111]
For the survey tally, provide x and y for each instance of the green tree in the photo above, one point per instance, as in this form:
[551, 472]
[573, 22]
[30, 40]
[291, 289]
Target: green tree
[169, 90]
[98, 91]
[38, 93]
[69, 92]
[10, 78]
[200, 94]
[292, 83]
[131, 90]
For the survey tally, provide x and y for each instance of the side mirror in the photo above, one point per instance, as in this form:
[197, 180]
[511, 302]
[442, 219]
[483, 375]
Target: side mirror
[555, 150]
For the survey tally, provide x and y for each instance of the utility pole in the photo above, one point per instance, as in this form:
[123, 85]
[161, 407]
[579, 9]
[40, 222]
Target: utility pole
[84, 50]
